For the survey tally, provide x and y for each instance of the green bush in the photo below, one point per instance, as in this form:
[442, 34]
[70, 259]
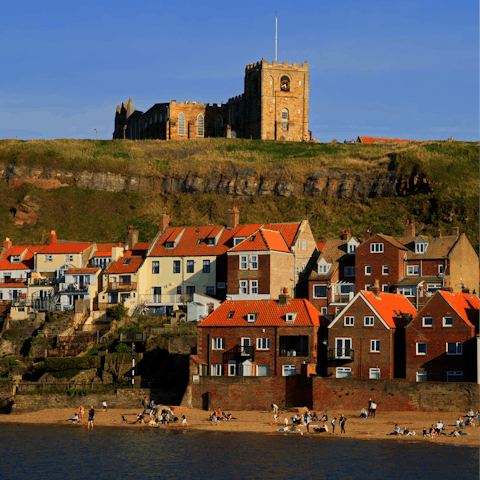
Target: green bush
[118, 311]
[123, 348]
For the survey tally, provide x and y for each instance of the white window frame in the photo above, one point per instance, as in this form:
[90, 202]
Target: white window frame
[297, 270]
[243, 287]
[289, 370]
[421, 376]
[413, 269]
[218, 343]
[290, 317]
[368, 269]
[200, 125]
[417, 352]
[15, 259]
[232, 368]
[263, 343]
[441, 269]
[367, 287]
[252, 317]
[369, 321]
[349, 320]
[304, 244]
[243, 263]
[374, 373]
[425, 323]
[261, 367]
[304, 267]
[421, 247]
[445, 324]
[324, 310]
[325, 268]
[181, 124]
[69, 257]
[376, 248]
[458, 348]
[385, 287]
[253, 262]
[375, 345]
[385, 269]
[343, 372]
[253, 287]
[49, 258]
[216, 370]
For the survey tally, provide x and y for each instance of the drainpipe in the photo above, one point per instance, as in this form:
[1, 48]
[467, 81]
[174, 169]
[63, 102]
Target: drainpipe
[275, 365]
[208, 351]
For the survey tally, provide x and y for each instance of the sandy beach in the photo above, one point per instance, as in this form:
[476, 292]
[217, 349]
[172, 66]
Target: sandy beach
[262, 422]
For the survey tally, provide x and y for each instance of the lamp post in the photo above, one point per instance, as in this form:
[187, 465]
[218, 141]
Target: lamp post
[133, 365]
[96, 131]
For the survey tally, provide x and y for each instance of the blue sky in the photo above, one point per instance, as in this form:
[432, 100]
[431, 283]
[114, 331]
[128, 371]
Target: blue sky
[391, 69]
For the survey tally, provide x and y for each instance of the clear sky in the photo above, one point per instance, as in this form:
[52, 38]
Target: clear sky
[393, 69]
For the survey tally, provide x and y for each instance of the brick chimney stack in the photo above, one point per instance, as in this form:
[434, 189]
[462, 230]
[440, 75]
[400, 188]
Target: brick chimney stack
[439, 233]
[233, 218]
[283, 298]
[455, 231]
[164, 222]
[367, 235]
[409, 230]
[345, 235]
[131, 238]
[376, 287]
[52, 238]
[7, 243]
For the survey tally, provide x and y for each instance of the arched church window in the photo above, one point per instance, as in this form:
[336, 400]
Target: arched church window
[218, 126]
[285, 84]
[199, 125]
[181, 124]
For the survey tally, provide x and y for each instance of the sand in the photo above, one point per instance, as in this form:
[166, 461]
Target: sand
[262, 422]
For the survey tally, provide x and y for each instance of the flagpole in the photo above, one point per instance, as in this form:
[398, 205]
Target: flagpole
[276, 30]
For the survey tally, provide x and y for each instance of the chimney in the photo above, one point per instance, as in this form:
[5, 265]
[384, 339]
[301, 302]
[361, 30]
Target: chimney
[117, 252]
[52, 238]
[131, 237]
[439, 233]
[233, 218]
[164, 222]
[455, 231]
[367, 235]
[283, 298]
[7, 243]
[345, 235]
[409, 230]
[376, 287]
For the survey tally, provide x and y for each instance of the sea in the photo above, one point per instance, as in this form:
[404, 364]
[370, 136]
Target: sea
[33, 452]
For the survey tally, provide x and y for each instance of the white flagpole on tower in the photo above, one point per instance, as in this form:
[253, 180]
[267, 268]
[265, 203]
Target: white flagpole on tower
[276, 30]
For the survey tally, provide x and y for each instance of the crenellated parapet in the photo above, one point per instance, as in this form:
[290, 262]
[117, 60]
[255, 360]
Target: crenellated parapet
[276, 65]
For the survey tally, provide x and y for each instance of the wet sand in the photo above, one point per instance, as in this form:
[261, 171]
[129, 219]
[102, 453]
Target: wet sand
[262, 422]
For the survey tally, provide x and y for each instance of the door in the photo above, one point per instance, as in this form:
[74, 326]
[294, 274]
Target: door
[232, 368]
[247, 368]
[246, 346]
[343, 347]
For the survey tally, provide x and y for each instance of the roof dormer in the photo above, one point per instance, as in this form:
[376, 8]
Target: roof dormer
[352, 244]
[323, 266]
[421, 245]
[252, 317]
[290, 317]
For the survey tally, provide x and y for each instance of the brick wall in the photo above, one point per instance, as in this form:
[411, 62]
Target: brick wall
[262, 274]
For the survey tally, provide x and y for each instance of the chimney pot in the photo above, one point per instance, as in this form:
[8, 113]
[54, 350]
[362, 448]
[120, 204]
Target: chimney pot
[7, 243]
[164, 222]
[233, 218]
[52, 237]
[409, 230]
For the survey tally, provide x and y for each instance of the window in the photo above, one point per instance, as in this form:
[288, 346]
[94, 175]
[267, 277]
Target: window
[454, 348]
[454, 376]
[230, 314]
[179, 290]
[252, 317]
[127, 261]
[421, 348]
[374, 373]
[322, 268]
[190, 266]
[299, 242]
[374, 346]
[191, 291]
[253, 287]
[324, 310]
[384, 269]
[351, 248]
[349, 271]
[368, 269]
[221, 285]
[199, 241]
[69, 258]
[217, 370]
[124, 278]
[320, 291]
[421, 247]
[369, 321]
[210, 291]
[407, 291]
[181, 124]
[253, 262]
[243, 288]
[169, 244]
[343, 372]
[48, 258]
[413, 269]
[304, 244]
[263, 344]
[448, 321]
[421, 376]
[285, 118]
[376, 248]
[15, 258]
[243, 262]
[218, 343]
[263, 370]
[304, 267]
[297, 270]
[232, 368]
[288, 370]
[432, 288]
[252, 238]
[441, 269]
[427, 321]
[237, 240]
[349, 321]
[199, 125]
[218, 126]
[290, 317]
[155, 267]
[210, 241]
[385, 288]
[206, 266]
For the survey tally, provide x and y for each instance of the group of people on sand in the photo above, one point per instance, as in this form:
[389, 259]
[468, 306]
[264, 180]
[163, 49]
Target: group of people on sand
[305, 420]
[78, 417]
[218, 415]
[158, 415]
[405, 431]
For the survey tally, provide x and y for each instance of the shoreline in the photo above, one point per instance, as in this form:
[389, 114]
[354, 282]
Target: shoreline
[249, 421]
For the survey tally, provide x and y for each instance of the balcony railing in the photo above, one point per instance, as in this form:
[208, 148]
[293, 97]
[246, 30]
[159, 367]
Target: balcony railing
[41, 281]
[343, 355]
[162, 299]
[239, 352]
[73, 288]
[121, 286]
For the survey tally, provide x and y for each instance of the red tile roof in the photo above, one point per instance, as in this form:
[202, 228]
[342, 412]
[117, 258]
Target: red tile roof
[270, 313]
[12, 285]
[67, 247]
[320, 246]
[105, 249]
[388, 304]
[246, 230]
[465, 304]
[384, 140]
[288, 230]
[26, 264]
[120, 267]
[262, 240]
[83, 270]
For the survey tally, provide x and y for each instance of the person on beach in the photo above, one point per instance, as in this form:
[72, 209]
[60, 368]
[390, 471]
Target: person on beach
[274, 408]
[324, 417]
[363, 413]
[275, 417]
[342, 423]
[373, 409]
[91, 417]
[370, 401]
[334, 421]
[152, 406]
[184, 420]
[104, 405]
[286, 421]
[145, 405]
[74, 419]
[81, 412]
[425, 434]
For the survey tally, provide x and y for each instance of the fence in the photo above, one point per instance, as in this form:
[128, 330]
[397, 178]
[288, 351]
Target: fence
[23, 387]
[63, 352]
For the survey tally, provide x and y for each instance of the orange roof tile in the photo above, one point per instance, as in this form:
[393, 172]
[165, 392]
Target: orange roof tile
[246, 230]
[465, 304]
[270, 313]
[105, 249]
[119, 266]
[82, 270]
[67, 247]
[388, 304]
[26, 264]
[320, 246]
[12, 285]
[262, 240]
[384, 140]
[288, 230]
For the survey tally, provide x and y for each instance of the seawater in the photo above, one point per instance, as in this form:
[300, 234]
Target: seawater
[48, 452]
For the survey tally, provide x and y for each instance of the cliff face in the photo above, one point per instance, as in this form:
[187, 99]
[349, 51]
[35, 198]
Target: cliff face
[232, 182]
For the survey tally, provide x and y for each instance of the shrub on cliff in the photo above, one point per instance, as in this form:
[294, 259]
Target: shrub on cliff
[118, 311]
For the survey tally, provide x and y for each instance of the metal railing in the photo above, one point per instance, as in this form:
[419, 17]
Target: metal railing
[116, 286]
[163, 298]
[239, 351]
[341, 354]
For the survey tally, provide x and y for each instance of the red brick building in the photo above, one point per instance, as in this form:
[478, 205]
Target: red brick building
[260, 337]
[440, 341]
[366, 340]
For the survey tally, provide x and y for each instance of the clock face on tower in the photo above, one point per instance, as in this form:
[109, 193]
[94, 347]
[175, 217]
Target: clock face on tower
[285, 84]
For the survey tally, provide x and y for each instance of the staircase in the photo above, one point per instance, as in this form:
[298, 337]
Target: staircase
[138, 308]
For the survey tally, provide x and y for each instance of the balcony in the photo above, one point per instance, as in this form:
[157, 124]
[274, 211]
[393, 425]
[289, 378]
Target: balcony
[239, 352]
[163, 299]
[340, 356]
[73, 289]
[41, 282]
[121, 286]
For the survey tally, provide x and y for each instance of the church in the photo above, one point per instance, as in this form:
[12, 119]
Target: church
[274, 106]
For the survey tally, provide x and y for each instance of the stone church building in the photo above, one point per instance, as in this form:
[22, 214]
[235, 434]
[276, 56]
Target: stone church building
[274, 106]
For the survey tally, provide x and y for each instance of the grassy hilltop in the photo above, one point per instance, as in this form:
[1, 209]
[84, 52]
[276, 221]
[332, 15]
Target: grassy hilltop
[451, 168]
